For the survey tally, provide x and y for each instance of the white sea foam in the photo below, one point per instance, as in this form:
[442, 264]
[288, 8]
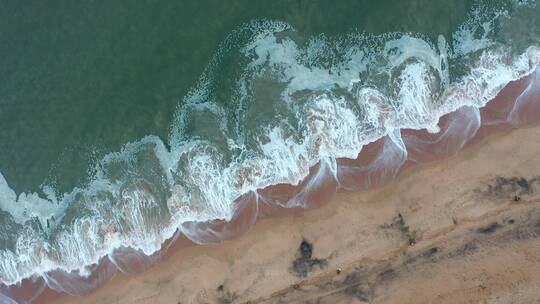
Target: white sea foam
[28, 204]
[141, 195]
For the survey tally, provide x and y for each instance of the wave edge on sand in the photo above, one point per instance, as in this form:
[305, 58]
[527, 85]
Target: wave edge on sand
[353, 135]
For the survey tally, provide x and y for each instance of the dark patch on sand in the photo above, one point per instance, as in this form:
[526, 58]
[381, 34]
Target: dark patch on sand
[386, 275]
[489, 228]
[515, 186]
[362, 287]
[526, 227]
[356, 287]
[224, 296]
[524, 184]
[520, 234]
[431, 252]
[537, 227]
[352, 278]
[227, 298]
[429, 255]
[367, 282]
[358, 292]
[400, 225]
[467, 249]
[304, 263]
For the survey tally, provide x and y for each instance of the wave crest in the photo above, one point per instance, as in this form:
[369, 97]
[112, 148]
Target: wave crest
[288, 126]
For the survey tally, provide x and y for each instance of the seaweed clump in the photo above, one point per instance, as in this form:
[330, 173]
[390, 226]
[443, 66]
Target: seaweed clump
[304, 263]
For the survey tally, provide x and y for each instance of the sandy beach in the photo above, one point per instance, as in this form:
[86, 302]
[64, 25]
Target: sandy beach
[461, 230]
[241, 151]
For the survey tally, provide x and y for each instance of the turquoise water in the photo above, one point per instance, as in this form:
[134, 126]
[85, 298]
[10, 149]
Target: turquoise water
[122, 122]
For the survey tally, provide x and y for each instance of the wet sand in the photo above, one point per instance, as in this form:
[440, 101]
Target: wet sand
[460, 230]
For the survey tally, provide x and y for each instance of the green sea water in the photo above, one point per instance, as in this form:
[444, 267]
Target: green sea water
[80, 80]
[125, 122]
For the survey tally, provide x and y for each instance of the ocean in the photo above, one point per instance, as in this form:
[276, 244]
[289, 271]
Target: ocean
[124, 125]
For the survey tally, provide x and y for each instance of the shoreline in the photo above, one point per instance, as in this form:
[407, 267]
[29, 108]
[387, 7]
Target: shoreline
[317, 197]
[245, 268]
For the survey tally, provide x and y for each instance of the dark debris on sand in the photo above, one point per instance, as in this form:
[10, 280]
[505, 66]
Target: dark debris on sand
[400, 225]
[516, 186]
[356, 287]
[386, 275]
[304, 263]
[224, 296]
[489, 228]
[431, 252]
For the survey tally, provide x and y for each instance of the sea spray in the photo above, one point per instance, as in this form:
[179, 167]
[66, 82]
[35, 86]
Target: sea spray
[288, 110]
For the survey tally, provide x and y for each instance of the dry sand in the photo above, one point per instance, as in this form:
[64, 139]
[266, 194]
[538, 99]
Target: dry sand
[462, 230]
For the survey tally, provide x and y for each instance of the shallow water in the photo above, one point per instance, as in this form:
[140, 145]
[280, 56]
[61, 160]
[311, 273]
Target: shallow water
[122, 125]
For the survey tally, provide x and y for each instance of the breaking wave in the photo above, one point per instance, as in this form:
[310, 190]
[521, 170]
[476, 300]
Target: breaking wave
[287, 125]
